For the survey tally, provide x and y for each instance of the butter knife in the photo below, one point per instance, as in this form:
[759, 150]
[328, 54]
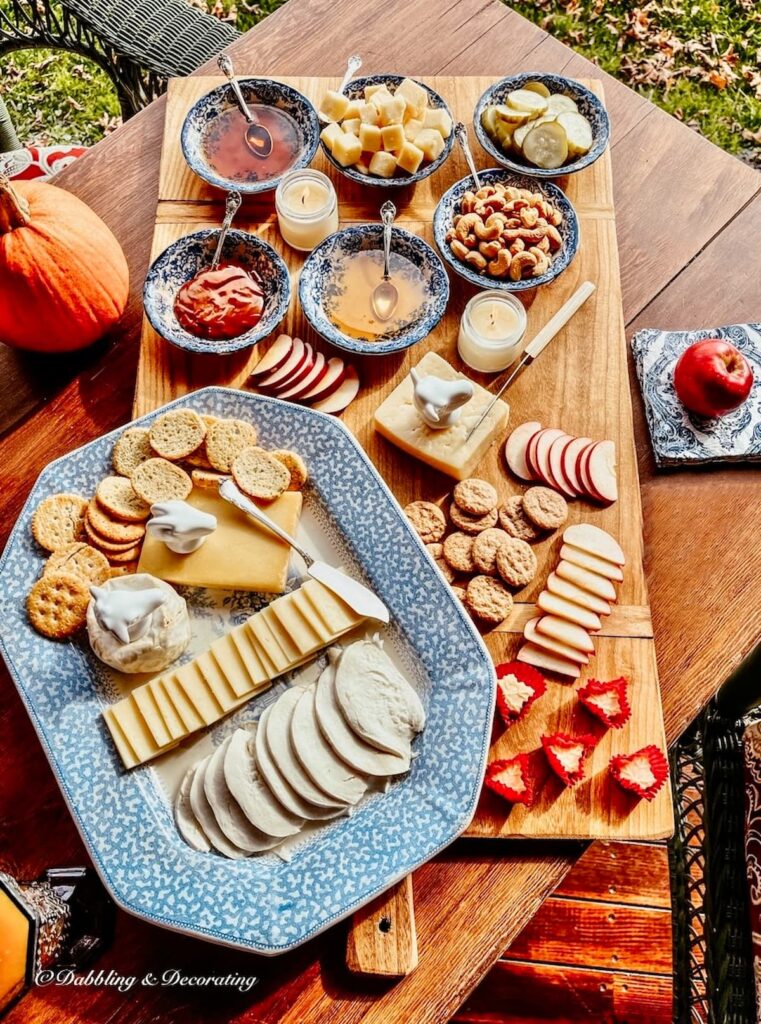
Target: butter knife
[356, 595]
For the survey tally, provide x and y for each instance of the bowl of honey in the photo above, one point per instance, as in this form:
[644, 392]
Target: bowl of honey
[217, 309]
[213, 137]
[338, 279]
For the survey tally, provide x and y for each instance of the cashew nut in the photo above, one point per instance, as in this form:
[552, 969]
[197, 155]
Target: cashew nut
[500, 267]
[475, 259]
[520, 262]
[491, 249]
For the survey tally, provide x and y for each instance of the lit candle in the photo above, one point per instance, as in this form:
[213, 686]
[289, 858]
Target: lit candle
[491, 330]
[307, 209]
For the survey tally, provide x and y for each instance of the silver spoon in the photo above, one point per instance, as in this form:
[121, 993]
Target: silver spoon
[385, 297]
[258, 139]
[461, 134]
[231, 208]
[353, 65]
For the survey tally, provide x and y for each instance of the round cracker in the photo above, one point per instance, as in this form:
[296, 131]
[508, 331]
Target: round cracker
[427, 519]
[121, 557]
[488, 599]
[58, 520]
[177, 433]
[115, 530]
[80, 559]
[103, 544]
[471, 524]
[458, 552]
[207, 479]
[57, 604]
[160, 480]
[513, 519]
[295, 465]
[226, 439]
[516, 562]
[485, 547]
[545, 508]
[259, 475]
[118, 497]
[475, 496]
[131, 448]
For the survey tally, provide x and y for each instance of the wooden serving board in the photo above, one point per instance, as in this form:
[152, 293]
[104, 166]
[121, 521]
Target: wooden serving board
[580, 383]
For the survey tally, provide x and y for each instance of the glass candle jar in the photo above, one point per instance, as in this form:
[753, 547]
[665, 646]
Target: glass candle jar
[491, 330]
[307, 208]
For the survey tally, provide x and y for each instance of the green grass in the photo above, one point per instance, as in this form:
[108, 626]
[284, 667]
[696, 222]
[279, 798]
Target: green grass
[698, 59]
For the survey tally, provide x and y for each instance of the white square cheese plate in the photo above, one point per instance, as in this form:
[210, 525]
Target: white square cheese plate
[264, 903]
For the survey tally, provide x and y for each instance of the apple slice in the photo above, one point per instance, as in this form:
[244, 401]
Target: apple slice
[541, 455]
[299, 374]
[531, 452]
[595, 541]
[292, 364]
[315, 375]
[335, 371]
[593, 582]
[592, 562]
[572, 592]
[338, 400]
[567, 632]
[532, 634]
[570, 459]
[274, 357]
[563, 609]
[533, 655]
[515, 449]
[581, 468]
[601, 470]
[556, 465]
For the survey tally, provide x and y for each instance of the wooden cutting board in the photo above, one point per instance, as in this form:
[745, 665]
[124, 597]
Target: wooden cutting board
[580, 384]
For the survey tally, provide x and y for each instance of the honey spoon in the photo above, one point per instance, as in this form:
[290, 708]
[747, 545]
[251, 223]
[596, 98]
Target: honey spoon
[353, 65]
[258, 139]
[232, 205]
[385, 296]
[461, 134]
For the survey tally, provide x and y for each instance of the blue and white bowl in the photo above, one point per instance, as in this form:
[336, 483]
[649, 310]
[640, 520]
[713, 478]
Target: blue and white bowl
[449, 206]
[356, 90]
[255, 90]
[589, 105]
[187, 257]
[319, 283]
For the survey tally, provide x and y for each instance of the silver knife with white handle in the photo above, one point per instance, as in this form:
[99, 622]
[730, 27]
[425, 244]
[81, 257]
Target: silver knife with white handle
[356, 595]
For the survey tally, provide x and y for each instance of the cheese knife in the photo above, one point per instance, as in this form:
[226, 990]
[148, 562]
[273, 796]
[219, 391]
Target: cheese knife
[363, 601]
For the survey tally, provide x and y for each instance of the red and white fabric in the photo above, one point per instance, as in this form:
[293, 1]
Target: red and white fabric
[38, 162]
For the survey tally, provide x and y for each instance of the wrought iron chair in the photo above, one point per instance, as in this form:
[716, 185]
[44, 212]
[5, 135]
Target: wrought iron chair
[138, 43]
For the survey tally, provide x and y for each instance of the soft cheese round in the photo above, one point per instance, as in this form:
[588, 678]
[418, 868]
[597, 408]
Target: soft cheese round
[230, 818]
[186, 821]
[255, 798]
[166, 637]
[205, 816]
[318, 758]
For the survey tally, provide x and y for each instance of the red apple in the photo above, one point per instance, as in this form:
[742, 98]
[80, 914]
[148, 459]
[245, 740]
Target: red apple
[712, 377]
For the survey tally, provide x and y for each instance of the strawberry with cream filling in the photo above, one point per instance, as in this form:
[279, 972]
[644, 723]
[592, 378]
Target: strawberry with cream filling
[567, 754]
[607, 701]
[518, 686]
[511, 779]
[642, 772]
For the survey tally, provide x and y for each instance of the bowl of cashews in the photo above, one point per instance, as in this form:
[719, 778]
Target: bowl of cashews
[509, 231]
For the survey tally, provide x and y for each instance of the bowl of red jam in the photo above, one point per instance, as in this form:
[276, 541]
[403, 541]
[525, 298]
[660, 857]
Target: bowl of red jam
[221, 310]
[213, 136]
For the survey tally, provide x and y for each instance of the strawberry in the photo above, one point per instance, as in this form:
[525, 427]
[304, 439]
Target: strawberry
[567, 754]
[518, 686]
[512, 779]
[607, 701]
[642, 772]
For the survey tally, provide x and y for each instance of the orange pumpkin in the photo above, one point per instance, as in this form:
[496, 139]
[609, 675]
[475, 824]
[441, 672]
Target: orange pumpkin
[64, 280]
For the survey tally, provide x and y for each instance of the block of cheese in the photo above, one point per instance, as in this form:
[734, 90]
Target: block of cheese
[398, 420]
[277, 639]
[239, 555]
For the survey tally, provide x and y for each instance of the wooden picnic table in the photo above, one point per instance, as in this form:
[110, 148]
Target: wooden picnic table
[689, 224]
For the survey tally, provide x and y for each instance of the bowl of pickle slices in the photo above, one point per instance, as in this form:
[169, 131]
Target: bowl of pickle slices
[541, 124]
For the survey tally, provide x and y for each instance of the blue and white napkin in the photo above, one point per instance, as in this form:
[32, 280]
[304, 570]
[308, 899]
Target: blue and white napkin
[679, 436]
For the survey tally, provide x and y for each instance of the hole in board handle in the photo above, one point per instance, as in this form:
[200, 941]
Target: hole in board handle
[384, 925]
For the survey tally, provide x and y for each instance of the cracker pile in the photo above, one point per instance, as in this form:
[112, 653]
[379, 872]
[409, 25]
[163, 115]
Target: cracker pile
[488, 554]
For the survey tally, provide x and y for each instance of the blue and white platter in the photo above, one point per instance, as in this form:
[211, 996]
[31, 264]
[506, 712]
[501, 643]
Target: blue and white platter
[264, 904]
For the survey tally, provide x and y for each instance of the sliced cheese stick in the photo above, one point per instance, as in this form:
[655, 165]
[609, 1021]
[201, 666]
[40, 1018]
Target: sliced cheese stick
[595, 541]
[318, 759]
[548, 661]
[205, 816]
[564, 588]
[566, 632]
[554, 605]
[589, 581]
[592, 562]
[186, 821]
[255, 798]
[549, 643]
[230, 818]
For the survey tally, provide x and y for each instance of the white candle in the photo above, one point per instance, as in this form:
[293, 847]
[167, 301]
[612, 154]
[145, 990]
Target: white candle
[491, 330]
[307, 209]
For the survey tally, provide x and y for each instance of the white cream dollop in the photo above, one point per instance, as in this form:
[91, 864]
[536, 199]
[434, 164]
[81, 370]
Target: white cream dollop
[180, 526]
[146, 611]
[440, 401]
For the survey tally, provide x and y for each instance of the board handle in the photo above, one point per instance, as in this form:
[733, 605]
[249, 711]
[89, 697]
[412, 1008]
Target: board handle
[382, 940]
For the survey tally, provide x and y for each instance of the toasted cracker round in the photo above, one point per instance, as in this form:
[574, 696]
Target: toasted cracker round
[131, 448]
[458, 552]
[469, 523]
[485, 547]
[295, 465]
[199, 458]
[58, 520]
[80, 559]
[436, 549]
[160, 480]
[488, 599]
[545, 508]
[459, 592]
[513, 519]
[474, 496]
[121, 557]
[516, 562]
[57, 604]
[116, 530]
[118, 497]
[122, 570]
[207, 479]
[177, 433]
[104, 544]
[226, 439]
[446, 569]
[259, 475]
[427, 519]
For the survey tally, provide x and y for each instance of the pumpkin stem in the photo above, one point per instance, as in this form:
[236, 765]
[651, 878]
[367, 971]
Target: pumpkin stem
[14, 209]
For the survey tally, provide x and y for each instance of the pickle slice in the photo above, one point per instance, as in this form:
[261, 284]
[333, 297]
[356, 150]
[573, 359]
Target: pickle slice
[489, 120]
[546, 145]
[538, 87]
[511, 114]
[530, 102]
[579, 132]
[558, 103]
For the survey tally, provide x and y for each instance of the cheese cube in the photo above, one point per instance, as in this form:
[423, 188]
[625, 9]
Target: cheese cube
[431, 143]
[351, 125]
[353, 109]
[439, 119]
[368, 113]
[409, 157]
[371, 138]
[412, 129]
[375, 90]
[348, 149]
[391, 110]
[393, 137]
[330, 133]
[414, 95]
[334, 105]
[361, 167]
[383, 164]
